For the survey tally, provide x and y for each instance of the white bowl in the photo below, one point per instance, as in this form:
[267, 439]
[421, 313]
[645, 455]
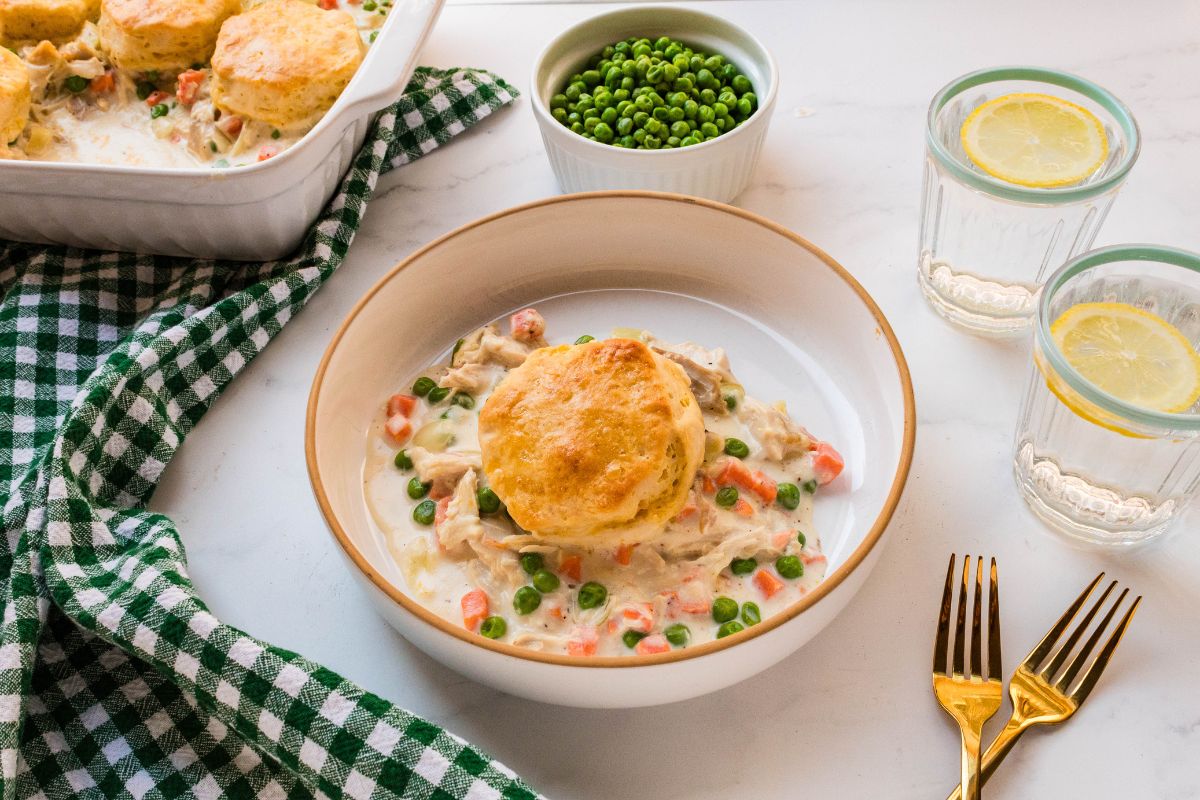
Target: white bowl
[797, 327]
[252, 213]
[718, 169]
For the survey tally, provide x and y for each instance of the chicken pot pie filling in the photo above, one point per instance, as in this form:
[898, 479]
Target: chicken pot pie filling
[731, 546]
[84, 107]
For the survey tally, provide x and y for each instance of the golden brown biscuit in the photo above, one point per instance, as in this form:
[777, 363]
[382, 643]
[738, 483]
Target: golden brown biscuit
[285, 62]
[584, 441]
[44, 19]
[162, 34]
[14, 96]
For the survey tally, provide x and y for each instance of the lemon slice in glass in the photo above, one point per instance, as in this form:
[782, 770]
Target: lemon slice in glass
[1132, 354]
[1035, 140]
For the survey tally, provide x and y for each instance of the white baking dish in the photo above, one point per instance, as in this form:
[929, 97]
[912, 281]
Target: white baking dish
[250, 213]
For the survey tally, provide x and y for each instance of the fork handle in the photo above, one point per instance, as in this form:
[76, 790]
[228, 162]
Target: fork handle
[997, 750]
[971, 782]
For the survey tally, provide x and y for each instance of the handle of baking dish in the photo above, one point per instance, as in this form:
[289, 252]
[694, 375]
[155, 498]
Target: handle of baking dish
[393, 55]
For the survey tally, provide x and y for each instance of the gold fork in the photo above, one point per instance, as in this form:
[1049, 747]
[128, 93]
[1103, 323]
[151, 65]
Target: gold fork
[969, 698]
[1039, 699]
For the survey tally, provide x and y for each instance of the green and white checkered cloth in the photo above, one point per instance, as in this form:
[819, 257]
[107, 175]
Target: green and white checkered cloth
[115, 680]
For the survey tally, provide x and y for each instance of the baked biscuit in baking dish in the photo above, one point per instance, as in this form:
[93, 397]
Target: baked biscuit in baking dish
[162, 34]
[285, 62]
[14, 96]
[22, 20]
[587, 439]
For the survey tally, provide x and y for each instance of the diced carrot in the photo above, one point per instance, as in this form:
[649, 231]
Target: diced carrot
[230, 125]
[439, 516]
[556, 611]
[328, 5]
[268, 151]
[827, 462]
[687, 512]
[401, 404]
[156, 97]
[780, 539]
[742, 508]
[187, 86]
[767, 583]
[437, 492]
[652, 644]
[709, 485]
[735, 473]
[103, 84]
[527, 325]
[624, 554]
[583, 641]
[636, 616]
[694, 598]
[399, 427]
[572, 567]
[474, 608]
[813, 558]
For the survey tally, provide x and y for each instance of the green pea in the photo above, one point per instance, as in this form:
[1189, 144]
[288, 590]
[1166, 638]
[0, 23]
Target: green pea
[724, 609]
[402, 460]
[624, 126]
[437, 394]
[575, 118]
[720, 109]
[558, 101]
[639, 135]
[532, 562]
[709, 130]
[736, 448]
[526, 600]
[728, 98]
[591, 77]
[788, 495]
[729, 72]
[740, 84]
[751, 614]
[577, 127]
[714, 62]
[729, 628]
[672, 141]
[159, 110]
[487, 500]
[640, 118]
[463, 400]
[810, 486]
[727, 497]
[573, 91]
[592, 595]
[707, 98]
[626, 141]
[631, 638]
[662, 113]
[585, 339]
[680, 129]
[609, 116]
[731, 401]
[493, 628]
[416, 489]
[744, 107]
[559, 114]
[705, 79]
[652, 143]
[544, 581]
[655, 74]
[590, 123]
[678, 634]
[670, 73]
[675, 114]
[789, 567]
[144, 90]
[76, 83]
[602, 132]
[743, 566]
[688, 141]
[752, 97]
[653, 127]
[425, 512]
[691, 109]
[801, 538]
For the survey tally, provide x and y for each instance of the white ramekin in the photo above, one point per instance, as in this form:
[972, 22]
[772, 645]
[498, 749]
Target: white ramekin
[252, 213]
[718, 169]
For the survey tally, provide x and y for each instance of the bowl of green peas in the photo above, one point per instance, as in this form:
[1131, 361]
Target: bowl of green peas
[654, 97]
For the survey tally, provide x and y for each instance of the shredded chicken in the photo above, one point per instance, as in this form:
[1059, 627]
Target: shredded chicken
[487, 346]
[780, 437]
[706, 383]
[461, 525]
[444, 471]
[470, 378]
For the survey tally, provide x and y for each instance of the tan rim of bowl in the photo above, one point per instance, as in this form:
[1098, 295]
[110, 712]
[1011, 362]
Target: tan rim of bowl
[825, 587]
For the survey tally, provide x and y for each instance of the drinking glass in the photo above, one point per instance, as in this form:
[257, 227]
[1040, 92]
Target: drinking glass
[1094, 467]
[987, 244]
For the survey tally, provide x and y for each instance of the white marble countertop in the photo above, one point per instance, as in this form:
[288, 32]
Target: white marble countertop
[850, 715]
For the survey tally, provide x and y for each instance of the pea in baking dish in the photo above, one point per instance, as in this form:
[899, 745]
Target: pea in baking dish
[253, 204]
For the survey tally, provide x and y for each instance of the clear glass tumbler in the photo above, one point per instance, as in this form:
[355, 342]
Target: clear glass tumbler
[987, 244]
[1094, 467]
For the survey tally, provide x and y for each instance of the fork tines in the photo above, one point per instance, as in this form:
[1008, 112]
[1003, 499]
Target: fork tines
[1052, 669]
[941, 648]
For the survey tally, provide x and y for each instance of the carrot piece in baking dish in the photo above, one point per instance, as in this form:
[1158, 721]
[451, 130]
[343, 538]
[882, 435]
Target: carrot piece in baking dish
[636, 616]
[474, 608]
[399, 427]
[187, 86]
[624, 554]
[572, 567]
[527, 325]
[710, 486]
[103, 84]
[156, 97]
[268, 151]
[735, 473]
[827, 462]
[742, 508]
[327, 5]
[653, 644]
[767, 583]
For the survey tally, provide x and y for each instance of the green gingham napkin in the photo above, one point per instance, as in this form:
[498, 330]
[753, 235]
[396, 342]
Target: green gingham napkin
[115, 680]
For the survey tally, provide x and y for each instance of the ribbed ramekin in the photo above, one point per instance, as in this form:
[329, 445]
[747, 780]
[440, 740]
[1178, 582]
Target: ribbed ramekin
[718, 169]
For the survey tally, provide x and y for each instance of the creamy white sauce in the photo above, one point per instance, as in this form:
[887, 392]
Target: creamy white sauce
[671, 579]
